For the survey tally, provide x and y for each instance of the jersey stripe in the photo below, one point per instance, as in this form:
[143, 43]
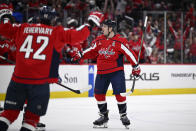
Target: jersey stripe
[81, 27]
[101, 102]
[129, 53]
[89, 49]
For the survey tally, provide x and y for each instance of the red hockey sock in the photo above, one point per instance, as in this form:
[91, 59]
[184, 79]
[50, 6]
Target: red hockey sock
[120, 98]
[30, 120]
[9, 116]
[100, 97]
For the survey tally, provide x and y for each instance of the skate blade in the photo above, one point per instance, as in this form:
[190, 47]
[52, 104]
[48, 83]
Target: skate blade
[40, 129]
[104, 125]
[126, 126]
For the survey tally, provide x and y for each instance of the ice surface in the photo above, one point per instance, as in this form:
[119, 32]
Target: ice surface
[147, 113]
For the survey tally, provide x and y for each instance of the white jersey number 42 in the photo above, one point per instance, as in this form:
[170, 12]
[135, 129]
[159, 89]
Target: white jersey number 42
[27, 47]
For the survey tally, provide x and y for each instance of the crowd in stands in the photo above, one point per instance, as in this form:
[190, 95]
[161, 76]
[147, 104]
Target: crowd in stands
[180, 33]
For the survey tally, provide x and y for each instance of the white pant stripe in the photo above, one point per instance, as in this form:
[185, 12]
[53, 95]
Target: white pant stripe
[28, 126]
[5, 120]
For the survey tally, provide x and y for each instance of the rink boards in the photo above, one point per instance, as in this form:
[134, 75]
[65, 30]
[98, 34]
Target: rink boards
[154, 80]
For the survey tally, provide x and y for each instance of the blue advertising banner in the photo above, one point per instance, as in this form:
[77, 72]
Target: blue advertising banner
[91, 80]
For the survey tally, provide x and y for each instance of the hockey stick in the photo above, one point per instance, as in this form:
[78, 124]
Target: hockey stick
[133, 85]
[9, 61]
[76, 91]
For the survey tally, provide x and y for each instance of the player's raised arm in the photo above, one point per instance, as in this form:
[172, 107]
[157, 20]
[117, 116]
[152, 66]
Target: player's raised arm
[81, 33]
[74, 36]
[91, 52]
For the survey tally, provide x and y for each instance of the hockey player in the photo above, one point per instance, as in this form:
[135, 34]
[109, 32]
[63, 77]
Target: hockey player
[37, 62]
[109, 49]
[178, 35]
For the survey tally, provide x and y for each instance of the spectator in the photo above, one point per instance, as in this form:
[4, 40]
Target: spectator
[128, 14]
[121, 6]
[193, 51]
[154, 57]
[108, 9]
[150, 38]
[178, 42]
[135, 45]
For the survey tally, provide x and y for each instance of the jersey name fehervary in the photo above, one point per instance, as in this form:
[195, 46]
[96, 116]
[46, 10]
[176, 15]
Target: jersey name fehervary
[39, 30]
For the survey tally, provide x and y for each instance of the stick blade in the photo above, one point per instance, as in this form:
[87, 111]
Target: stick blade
[126, 93]
[77, 91]
[86, 89]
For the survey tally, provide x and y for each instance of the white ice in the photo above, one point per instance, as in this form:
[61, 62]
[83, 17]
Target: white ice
[147, 113]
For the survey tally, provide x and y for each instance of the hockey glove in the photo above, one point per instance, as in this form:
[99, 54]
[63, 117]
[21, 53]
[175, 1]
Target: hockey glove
[59, 79]
[76, 56]
[136, 71]
[6, 14]
[95, 18]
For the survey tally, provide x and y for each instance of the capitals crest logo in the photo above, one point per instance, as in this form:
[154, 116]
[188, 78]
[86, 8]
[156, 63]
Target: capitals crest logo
[107, 52]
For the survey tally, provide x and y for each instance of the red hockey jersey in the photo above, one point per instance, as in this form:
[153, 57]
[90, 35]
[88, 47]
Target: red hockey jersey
[109, 53]
[177, 45]
[135, 46]
[38, 48]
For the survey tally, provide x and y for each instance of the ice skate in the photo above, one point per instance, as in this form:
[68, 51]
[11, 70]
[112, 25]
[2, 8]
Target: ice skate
[40, 127]
[102, 121]
[125, 121]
